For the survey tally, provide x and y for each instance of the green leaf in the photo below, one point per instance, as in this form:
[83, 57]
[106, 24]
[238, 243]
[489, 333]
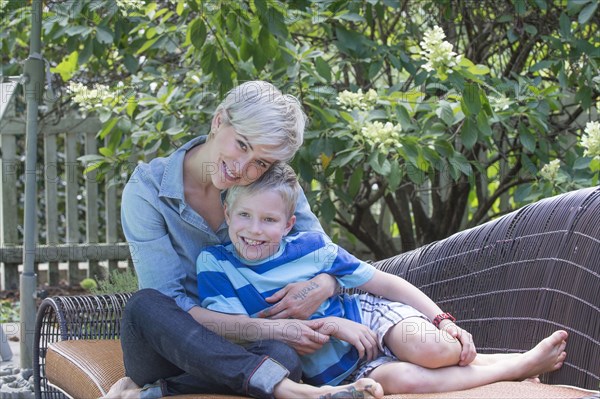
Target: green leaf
[527, 138]
[468, 133]
[471, 102]
[483, 124]
[395, 176]
[104, 35]
[380, 163]
[68, 66]
[565, 25]
[328, 210]
[582, 163]
[479, 69]
[355, 181]
[522, 192]
[147, 45]
[198, 33]
[323, 68]
[587, 12]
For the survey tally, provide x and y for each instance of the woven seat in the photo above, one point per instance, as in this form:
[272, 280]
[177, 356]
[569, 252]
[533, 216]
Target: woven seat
[510, 282]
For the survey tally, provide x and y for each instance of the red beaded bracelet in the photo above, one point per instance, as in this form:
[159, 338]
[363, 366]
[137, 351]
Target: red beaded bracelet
[443, 316]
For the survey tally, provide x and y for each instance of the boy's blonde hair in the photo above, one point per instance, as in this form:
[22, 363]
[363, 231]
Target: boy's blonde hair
[280, 178]
[266, 116]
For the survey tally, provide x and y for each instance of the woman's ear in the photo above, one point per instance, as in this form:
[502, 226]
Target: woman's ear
[216, 122]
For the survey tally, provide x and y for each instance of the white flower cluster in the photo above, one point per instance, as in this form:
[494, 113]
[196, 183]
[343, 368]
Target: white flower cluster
[550, 170]
[500, 103]
[591, 140]
[359, 100]
[438, 52]
[126, 6]
[381, 135]
[90, 99]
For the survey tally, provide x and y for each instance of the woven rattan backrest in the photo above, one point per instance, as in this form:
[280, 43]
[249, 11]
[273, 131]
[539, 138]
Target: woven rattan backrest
[513, 281]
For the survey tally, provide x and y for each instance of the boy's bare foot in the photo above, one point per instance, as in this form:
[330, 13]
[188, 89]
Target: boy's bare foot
[361, 389]
[546, 356]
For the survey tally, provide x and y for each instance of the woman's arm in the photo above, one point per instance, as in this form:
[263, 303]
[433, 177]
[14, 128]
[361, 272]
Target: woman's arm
[302, 335]
[157, 263]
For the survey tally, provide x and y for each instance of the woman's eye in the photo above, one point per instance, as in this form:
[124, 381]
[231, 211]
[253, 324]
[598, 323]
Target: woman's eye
[243, 145]
[243, 214]
[261, 164]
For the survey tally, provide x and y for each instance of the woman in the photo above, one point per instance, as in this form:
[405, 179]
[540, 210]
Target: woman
[171, 210]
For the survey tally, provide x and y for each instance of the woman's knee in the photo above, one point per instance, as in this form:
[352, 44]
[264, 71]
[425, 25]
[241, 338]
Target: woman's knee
[287, 356]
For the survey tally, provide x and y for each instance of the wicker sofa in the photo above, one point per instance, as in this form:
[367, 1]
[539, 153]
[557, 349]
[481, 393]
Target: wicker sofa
[510, 282]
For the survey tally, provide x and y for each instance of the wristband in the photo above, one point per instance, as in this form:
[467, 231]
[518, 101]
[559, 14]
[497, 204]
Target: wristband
[442, 316]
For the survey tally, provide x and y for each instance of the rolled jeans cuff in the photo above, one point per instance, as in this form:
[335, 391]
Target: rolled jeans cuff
[263, 380]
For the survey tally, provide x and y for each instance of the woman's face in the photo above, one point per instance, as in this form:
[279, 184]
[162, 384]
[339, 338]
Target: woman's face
[235, 160]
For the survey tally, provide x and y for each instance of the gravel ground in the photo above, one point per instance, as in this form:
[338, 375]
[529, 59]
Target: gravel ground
[15, 382]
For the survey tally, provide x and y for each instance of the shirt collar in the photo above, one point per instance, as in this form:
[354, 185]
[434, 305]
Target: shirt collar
[172, 182]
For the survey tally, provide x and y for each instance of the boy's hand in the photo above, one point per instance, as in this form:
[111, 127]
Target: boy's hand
[468, 353]
[360, 336]
[300, 300]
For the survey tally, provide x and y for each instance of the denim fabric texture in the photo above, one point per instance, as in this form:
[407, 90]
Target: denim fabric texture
[166, 235]
[176, 355]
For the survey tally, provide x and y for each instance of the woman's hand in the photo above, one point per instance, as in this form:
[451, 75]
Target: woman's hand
[468, 353]
[302, 335]
[300, 300]
[360, 336]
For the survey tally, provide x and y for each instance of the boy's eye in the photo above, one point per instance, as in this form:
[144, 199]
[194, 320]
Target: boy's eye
[243, 214]
[270, 220]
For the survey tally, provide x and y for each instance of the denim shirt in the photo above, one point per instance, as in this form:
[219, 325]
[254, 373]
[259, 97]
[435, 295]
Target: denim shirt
[166, 235]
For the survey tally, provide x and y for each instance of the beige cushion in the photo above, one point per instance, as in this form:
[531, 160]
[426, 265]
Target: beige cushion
[84, 368]
[88, 368]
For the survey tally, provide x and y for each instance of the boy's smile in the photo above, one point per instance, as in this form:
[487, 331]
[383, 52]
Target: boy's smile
[257, 223]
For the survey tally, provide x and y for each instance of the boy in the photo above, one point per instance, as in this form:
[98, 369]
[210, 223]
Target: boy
[403, 345]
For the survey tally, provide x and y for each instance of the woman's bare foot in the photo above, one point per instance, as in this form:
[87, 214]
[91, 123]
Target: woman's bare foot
[361, 389]
[124, 388]
[546, 356]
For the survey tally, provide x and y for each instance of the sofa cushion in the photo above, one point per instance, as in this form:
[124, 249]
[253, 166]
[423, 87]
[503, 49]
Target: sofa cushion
[87, 369]
[84, 368]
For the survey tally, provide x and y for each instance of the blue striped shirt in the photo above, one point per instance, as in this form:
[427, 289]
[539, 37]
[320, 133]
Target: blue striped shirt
[231, 285]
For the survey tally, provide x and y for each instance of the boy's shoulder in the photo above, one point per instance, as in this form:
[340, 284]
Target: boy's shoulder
[317, 239]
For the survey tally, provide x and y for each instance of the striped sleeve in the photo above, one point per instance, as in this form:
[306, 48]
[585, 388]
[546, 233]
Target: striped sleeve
[349, 271]
[215, 290]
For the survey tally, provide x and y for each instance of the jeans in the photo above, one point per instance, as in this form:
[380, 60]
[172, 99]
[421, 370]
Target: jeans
[163, 344]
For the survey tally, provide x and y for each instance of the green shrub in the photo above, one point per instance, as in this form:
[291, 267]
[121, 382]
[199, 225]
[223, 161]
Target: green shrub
[118, 281]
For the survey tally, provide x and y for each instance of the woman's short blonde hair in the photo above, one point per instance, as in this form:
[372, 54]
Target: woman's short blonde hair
[266, 116]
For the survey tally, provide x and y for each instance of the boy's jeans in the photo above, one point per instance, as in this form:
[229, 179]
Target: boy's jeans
[164, 346]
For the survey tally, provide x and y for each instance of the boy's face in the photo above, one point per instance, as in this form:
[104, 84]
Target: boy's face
[257, 223]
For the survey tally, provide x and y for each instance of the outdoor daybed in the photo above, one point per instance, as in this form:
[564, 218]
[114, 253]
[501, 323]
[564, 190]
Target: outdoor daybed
[510, 282]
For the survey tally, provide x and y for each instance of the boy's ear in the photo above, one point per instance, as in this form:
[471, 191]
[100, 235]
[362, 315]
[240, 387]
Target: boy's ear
[226, 212]
[290, 223]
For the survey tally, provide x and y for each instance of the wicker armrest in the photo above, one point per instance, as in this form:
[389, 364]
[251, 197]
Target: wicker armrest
[515, 280]
[87, 317]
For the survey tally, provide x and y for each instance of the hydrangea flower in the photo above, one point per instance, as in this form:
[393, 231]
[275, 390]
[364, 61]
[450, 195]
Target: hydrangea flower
[500, 103]
[591, 139]
[126, 6]
[359, 100]
[438, 52]
[90, 99]
[381, 135]
[550, 170]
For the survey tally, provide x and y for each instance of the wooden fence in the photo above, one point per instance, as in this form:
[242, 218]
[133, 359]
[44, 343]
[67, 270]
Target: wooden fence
[81, 216]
